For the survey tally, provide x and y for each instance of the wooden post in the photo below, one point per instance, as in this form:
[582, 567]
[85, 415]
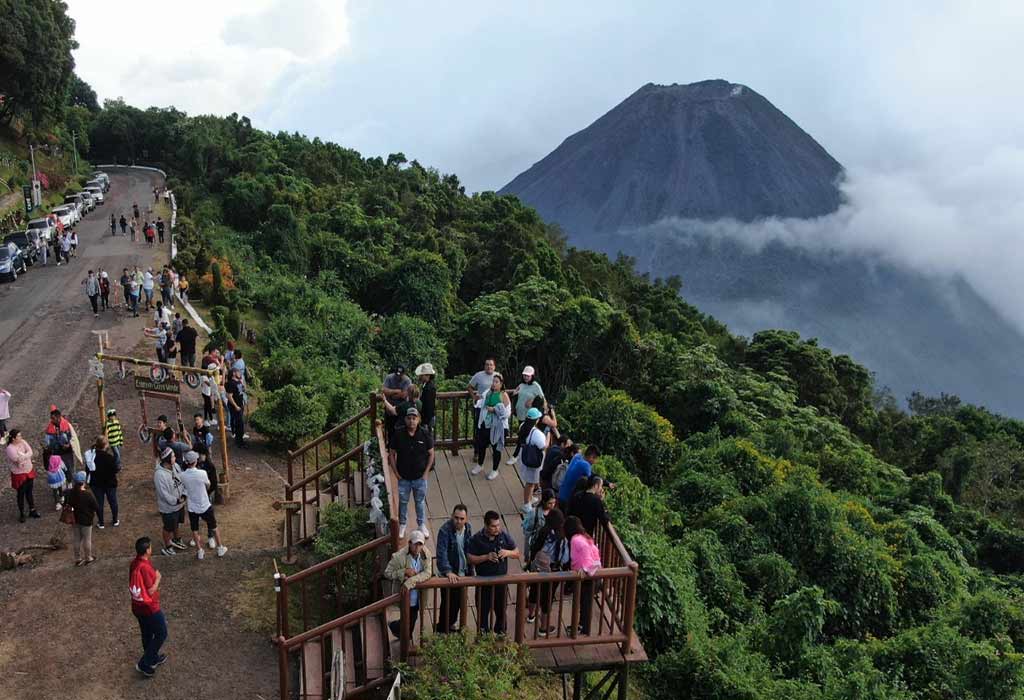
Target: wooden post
[623, 681]
[101, 401]
[630, 612]
[223, 444]
[520, 612]
[282, 612]
[455, 426]
[403, 653]
[282, 668]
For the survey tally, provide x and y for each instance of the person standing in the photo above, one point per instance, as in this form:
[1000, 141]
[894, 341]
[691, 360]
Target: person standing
[160, 228]
[395, 389]
[42, 250]
[452, 563]
[207, 385]
[495, 410]
[561, 450]
[144, 587]
[410, 565]
[58, 439]
[479, 384]
[113, 225]
[549, 553]
[531, 455]
[103, 480]
[5, 412]
[586, 557]
[124, 224]
[84, 507]
[489, 551]
[428, 395]
[147, 287]
[23, 474]
[588, 505]
[104, 290]
[196, 483]
[187, 344]
[236, 406]
[183, 289]
[134, 292]
[73, 238]
[135, 209]
[528, 390]
[131, 229]
[115, 434]
[411, 456]
[92, 290]
[165, 287]
[170, 500]
[534, 519]
[580, 466]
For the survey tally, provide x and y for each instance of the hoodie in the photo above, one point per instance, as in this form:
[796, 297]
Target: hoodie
[168, 488]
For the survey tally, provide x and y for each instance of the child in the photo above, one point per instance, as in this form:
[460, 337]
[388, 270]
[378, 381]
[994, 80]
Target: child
[74, 244]
[177, 324]
[55, 478]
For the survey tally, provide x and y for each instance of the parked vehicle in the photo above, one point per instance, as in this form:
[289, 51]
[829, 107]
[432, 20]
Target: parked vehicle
[25, 244]
[90, 201]
[44, 227]
[104, 178]
[77, 201]
[12, 262]
[68, 215]
[96, 191]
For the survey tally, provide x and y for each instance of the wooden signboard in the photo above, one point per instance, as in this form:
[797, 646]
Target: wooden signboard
[165, 386]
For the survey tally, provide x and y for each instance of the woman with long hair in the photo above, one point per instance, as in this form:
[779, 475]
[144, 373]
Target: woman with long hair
[23, 474]
[585, 557]
[104, 480]
[495, 409]
[549, 552]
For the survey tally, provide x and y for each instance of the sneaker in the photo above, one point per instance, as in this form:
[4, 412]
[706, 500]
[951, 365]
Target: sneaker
[510, 460]
[178, 544]
[34, 514]
[530, 619]
[100, 527]
[117, 523]
[148, 673]
[167, 551]
[545, 633]
[160, 659]
[222, 550]
[21, 517]
[200, 553]
[401, 533]
[425, 531]
[493, 475]
[58, 507]
[477, 468]
[212, 543]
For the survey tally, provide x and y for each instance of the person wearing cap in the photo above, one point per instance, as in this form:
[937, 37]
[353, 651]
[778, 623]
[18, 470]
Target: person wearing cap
[104, 290]
[170, 500]
[58, 438]
[84, 505]
[115, 434]
[428, 395]
[530, 455]
[411, 456]
[528, 390]
[207, 384]
[410, 565]
[196, 484]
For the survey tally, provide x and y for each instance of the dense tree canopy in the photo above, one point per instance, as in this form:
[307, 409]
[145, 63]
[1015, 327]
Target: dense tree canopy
[799, 536]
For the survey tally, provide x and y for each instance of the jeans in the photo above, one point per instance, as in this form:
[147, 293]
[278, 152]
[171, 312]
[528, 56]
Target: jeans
[451, 607]
[116, 450]
[418, 488]
[154, 634]
[208, 413]
[492, 598]
[94, 300]
[188, 359]
[134, 302]
[238, 428]
[110, 494]
[149, 297]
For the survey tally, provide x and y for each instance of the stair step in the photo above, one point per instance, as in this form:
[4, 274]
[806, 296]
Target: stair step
[311, 671]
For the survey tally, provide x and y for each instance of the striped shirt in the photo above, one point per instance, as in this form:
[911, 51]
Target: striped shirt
[115, 434]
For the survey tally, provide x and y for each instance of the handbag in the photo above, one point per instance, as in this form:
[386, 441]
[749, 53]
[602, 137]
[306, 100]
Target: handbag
[67, 514]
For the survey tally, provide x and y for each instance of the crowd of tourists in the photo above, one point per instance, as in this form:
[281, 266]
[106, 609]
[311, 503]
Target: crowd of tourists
[563, 500]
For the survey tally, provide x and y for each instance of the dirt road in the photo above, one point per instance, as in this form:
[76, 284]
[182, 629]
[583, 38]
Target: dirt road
[67, 631]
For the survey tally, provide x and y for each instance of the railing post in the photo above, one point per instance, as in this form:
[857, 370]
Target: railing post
[630, 606]
[278, 593]
[373, 408]
[520, 612]
[455, 426]
[404, 639]
[282, 668]
[289, 523]
[285, 613]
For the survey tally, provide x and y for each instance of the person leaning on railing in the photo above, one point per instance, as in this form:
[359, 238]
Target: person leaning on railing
[586, 557]
[453, 562]
[410, 565]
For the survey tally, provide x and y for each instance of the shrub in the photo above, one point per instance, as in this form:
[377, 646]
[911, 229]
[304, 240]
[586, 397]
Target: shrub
[341, 530]
[288, 414]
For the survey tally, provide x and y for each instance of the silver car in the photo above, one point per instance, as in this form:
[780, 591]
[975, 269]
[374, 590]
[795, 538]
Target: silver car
[90, 201]
[45, 228]
[103, 178]
[96, 191]
[67, 214]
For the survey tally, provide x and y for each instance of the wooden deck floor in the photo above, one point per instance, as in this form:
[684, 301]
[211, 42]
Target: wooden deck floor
[449, 484]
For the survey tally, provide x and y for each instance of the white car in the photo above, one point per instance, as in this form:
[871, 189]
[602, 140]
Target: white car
[67, 214]
[103, 178]
[96, 192]
[45, 228]
[78, 202]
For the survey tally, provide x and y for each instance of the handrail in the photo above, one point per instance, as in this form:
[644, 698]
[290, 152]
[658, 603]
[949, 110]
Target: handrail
[390, 486]
[528, 578]
[621, 548]
[331, 433]
[335, 560]
[327, 468]
[343, 621]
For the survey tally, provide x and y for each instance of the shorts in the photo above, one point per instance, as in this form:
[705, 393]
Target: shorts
[171, 520]
[528, 475]
[208, 517]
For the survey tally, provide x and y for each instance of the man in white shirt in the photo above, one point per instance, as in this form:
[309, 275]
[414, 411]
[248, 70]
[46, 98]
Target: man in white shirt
[196, 482]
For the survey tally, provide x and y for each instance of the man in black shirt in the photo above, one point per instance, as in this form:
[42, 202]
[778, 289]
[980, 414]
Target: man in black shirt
[187, 343]
[236, 405]
[411, 454]
[588, 505]
[489, 551]
[561, 451]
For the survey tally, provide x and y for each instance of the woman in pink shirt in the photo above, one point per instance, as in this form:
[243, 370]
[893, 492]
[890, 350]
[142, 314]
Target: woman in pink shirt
[23, 475]
[586, 557]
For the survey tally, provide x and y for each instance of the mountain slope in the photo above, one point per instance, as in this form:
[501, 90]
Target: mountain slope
[630, 181]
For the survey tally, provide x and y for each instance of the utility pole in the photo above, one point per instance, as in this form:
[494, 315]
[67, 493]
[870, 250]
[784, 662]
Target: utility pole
[74, 150]
[36, 194]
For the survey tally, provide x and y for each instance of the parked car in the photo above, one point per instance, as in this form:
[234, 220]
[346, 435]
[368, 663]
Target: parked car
[77, 201]
[68, 215]
[90, 201]
[104, 178]
[25, 244]
[44, 227]
[12, 261]
[96, 191]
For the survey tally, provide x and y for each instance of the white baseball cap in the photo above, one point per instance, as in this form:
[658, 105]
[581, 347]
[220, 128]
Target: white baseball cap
[528, 371]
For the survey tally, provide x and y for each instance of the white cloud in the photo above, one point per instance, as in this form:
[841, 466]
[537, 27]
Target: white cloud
[218, 57]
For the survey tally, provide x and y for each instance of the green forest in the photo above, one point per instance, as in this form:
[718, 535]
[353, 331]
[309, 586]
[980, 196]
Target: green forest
[800, 534]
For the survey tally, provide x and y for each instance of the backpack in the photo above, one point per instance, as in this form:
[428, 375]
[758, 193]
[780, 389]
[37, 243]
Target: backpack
[532, 455]
[559, 476]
